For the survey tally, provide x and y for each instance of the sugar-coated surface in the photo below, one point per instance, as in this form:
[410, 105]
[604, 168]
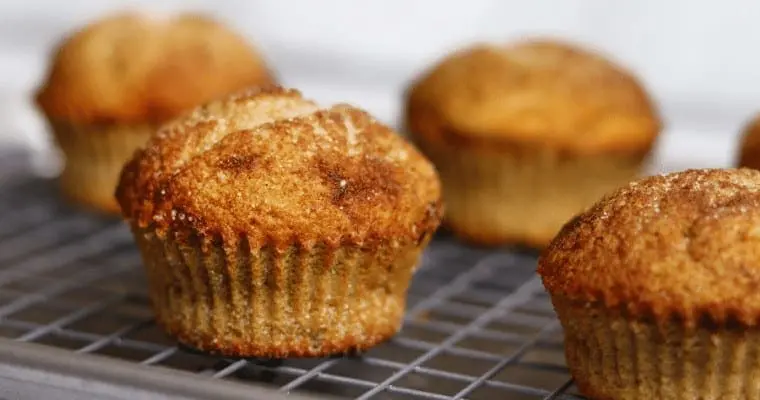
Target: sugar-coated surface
[275, 167]
[685, 244]
[131, 68]
[534, 92]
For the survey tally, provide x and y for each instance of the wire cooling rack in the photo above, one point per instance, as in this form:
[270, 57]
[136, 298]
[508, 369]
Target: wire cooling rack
[478, 325]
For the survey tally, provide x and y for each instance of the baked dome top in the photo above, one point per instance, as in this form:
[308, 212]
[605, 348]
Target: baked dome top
[275, 167]
[132, 68]
[533, 92]
[684, 245]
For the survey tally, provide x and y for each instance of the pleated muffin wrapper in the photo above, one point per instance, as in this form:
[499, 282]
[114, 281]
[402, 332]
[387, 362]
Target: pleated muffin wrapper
[94, 156]
[520, 194]
[612, 356]
[273, 301]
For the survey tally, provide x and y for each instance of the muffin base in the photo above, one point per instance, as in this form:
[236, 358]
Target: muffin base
[303, 301]
[94, 157]
[523, 196]
[612, 357]
[246, 347]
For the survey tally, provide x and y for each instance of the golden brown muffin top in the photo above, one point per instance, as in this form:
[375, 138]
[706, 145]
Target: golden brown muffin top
[132, 68]
[274, 167]
[534, 92]
[684, 245]
[749, 146]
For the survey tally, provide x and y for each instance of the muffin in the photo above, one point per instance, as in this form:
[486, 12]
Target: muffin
[527, 135]
[749, 146]
[656, 287]
[114, 82]
[271, 227]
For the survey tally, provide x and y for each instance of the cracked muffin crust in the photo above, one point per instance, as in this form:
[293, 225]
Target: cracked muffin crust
[656, 288]
[528, 134]
[272, 227]
[112, 83]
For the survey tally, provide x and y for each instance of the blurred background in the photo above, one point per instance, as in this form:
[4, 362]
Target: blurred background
[699, 59]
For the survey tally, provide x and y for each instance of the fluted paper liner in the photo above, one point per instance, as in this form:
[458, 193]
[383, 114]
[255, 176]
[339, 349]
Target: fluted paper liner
[611, 357]
[522, 195]
[303, 301]
[95, 156]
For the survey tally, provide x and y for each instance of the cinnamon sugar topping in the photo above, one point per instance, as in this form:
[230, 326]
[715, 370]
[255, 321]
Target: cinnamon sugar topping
[683, 245]
[274, 167]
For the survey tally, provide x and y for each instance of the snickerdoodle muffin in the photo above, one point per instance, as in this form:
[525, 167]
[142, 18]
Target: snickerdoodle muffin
[527, 135]
[271, 227]
[749, 145]
[112, 83]
[656, 287]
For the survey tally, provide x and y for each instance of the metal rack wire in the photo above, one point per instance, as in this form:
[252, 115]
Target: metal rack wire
[478, 326]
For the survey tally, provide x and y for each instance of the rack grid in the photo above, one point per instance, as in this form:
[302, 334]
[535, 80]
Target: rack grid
[478, 324]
